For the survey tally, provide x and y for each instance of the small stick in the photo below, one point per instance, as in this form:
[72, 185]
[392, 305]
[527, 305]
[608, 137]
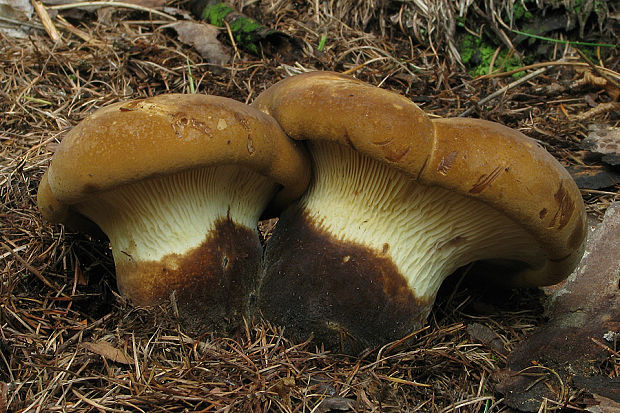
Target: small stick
[544, 64]
[596, 191]
[598, 109]
[79, 33]
[232, 39]
[597, 70]
[504, 89]
[114, 4]
[604, 347]
[49, 27]
[494, 58]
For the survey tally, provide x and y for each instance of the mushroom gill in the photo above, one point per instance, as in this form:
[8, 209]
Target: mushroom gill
[428, 232]
[155, 225]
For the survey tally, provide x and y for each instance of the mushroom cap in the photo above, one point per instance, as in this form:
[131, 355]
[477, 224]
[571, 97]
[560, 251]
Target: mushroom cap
[131, 141]
[475, 158]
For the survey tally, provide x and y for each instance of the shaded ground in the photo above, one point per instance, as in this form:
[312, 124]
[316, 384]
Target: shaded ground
[68, 342]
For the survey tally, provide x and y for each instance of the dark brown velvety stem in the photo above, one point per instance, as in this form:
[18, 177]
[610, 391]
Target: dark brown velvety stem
[344, 294]
[212, 283]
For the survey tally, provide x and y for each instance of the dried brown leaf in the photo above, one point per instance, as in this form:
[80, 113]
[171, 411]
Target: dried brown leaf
[4, 389]
[605, 405]
[604, 140]
[202, 37]
[12, 12]
[108, 351]
[336, 403]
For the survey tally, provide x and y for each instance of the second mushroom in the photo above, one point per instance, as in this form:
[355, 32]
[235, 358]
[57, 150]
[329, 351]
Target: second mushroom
[177, 183]
[397, 203]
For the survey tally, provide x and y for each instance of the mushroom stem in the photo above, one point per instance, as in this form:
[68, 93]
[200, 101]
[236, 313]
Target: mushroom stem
[193, 233]
[368, 247]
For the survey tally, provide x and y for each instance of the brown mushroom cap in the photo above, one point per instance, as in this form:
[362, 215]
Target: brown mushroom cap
[132, 141]
[474, 158]
[342, 286]
[177, 183]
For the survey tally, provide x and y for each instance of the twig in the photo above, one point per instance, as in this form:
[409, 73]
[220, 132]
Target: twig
[492, 63]
[389, 346]
[464, 403]
[79, 33]
[597, 69]
[504, 89]
[545, 64]
[604, 347]
[113, 4]
[49, 27]
[596, 191]
[599, 109]
[232, 39]
[34, 25]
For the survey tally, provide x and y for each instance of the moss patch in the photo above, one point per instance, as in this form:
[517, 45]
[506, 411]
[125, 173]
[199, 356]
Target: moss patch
[520, 12]
[477, 53]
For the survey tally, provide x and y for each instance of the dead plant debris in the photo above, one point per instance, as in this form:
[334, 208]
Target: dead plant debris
[69, 342]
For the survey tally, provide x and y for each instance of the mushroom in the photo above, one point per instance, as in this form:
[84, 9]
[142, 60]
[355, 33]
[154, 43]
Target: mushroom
[177, 183]
[397, 203]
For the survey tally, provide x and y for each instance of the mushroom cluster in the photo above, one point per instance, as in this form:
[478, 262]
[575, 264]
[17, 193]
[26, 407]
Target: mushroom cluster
[177, 183]
[397, 203]
[381, 204]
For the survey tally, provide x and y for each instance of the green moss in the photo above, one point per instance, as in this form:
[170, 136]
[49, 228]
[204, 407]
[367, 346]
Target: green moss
[477, 53]
[578, 5]
[468, 48]
[599, 7]
[532, 36]
[215, 14]
[519, 12]
[243, 28]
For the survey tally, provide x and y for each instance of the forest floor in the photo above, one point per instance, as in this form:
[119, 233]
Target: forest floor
[69, 342]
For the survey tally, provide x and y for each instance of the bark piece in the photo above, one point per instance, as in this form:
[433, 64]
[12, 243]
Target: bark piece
[582, 315]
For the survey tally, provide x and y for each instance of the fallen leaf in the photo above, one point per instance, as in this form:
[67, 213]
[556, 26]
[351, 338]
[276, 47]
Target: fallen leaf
[16, 11]
[283, 388]
[601, 386]
[203, 38]
[4, 389]
[594, 177]
[250, 34]
[608, 405]
[486, 336]
[335, 403]
[570, 344]
[108, 351]
[605, 405]
[604, 140]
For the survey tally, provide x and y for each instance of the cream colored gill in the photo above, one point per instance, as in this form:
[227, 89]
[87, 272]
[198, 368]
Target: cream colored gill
[428, 232]
[172, 214]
